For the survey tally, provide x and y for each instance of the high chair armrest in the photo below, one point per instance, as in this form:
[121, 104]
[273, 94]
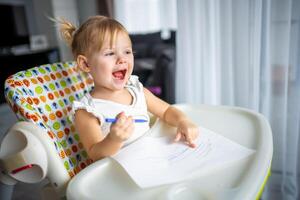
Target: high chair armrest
[22, 155]
[14, 163]
[27, 154]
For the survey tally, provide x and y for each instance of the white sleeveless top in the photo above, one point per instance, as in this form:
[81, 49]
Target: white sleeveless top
[103, 109]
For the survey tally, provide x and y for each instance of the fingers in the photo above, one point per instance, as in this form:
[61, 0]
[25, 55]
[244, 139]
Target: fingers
[128, 123]
[122, 129]
[121, 117]
[178, 137]
[185, 137]
[189, 141]
[192, 145]
[123, 120]
[189, 136]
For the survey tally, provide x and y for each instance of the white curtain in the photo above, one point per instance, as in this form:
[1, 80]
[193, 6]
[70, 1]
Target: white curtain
[246, 53]
[144, 16]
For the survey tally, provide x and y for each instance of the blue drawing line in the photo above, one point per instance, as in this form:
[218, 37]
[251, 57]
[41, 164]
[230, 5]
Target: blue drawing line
[114, 120]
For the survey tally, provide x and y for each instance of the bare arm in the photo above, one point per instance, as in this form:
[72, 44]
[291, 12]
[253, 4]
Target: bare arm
[163, 110]
[186, 129]
[96, 145]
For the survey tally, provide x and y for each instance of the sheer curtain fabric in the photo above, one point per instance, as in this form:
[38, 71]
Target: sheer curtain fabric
[144, 16]
[246, 53]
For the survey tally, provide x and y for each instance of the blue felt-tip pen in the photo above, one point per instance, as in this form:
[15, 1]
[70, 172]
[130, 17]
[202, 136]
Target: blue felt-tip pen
[113, 120]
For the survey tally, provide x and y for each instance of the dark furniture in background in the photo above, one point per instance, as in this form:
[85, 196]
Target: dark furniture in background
[16, 49]
[155, 63]
[12, 63]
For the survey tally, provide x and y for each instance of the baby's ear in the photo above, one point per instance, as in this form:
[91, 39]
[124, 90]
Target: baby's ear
[82, 63]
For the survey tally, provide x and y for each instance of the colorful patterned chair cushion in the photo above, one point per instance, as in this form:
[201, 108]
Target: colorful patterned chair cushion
[44, 95]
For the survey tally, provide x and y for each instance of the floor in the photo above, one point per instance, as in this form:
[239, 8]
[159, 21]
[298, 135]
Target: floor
[21, 190]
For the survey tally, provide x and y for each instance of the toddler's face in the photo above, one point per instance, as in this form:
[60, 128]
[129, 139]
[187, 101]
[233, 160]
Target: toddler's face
[113, 65]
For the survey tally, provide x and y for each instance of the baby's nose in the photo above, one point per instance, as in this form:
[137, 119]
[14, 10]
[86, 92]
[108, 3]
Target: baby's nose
[121, 60]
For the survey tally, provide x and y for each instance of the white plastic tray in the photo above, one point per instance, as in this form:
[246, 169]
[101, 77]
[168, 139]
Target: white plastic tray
[106, 179]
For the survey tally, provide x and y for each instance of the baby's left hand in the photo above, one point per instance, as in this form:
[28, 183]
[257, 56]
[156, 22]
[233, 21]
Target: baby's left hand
[188, 131]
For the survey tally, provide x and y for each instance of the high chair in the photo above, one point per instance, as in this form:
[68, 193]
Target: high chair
[45, 145]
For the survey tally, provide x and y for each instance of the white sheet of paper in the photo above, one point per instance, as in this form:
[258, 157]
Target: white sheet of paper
[154, 161]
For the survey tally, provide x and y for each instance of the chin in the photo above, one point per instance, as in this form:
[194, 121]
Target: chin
[119, 86]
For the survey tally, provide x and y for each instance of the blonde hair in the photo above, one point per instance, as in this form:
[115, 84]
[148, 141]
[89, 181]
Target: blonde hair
[89, 37]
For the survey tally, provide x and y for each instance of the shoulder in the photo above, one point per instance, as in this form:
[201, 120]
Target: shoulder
[82, 115]
[84, 103]
[84, 110]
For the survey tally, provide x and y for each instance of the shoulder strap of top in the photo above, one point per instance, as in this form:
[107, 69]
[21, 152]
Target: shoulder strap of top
[86, 103]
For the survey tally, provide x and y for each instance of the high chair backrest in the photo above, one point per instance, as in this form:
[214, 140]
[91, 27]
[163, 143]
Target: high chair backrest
[43, 95]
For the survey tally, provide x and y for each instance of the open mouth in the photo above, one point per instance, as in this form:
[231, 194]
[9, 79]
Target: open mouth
[120, 74]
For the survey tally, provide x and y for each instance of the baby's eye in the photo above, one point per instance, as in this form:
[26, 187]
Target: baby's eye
[128, 52]
[109, 54]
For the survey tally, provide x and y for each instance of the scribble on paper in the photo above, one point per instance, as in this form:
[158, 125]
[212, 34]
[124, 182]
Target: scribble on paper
[153, 161]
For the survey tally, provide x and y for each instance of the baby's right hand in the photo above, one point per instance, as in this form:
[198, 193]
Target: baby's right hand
[122, 129]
